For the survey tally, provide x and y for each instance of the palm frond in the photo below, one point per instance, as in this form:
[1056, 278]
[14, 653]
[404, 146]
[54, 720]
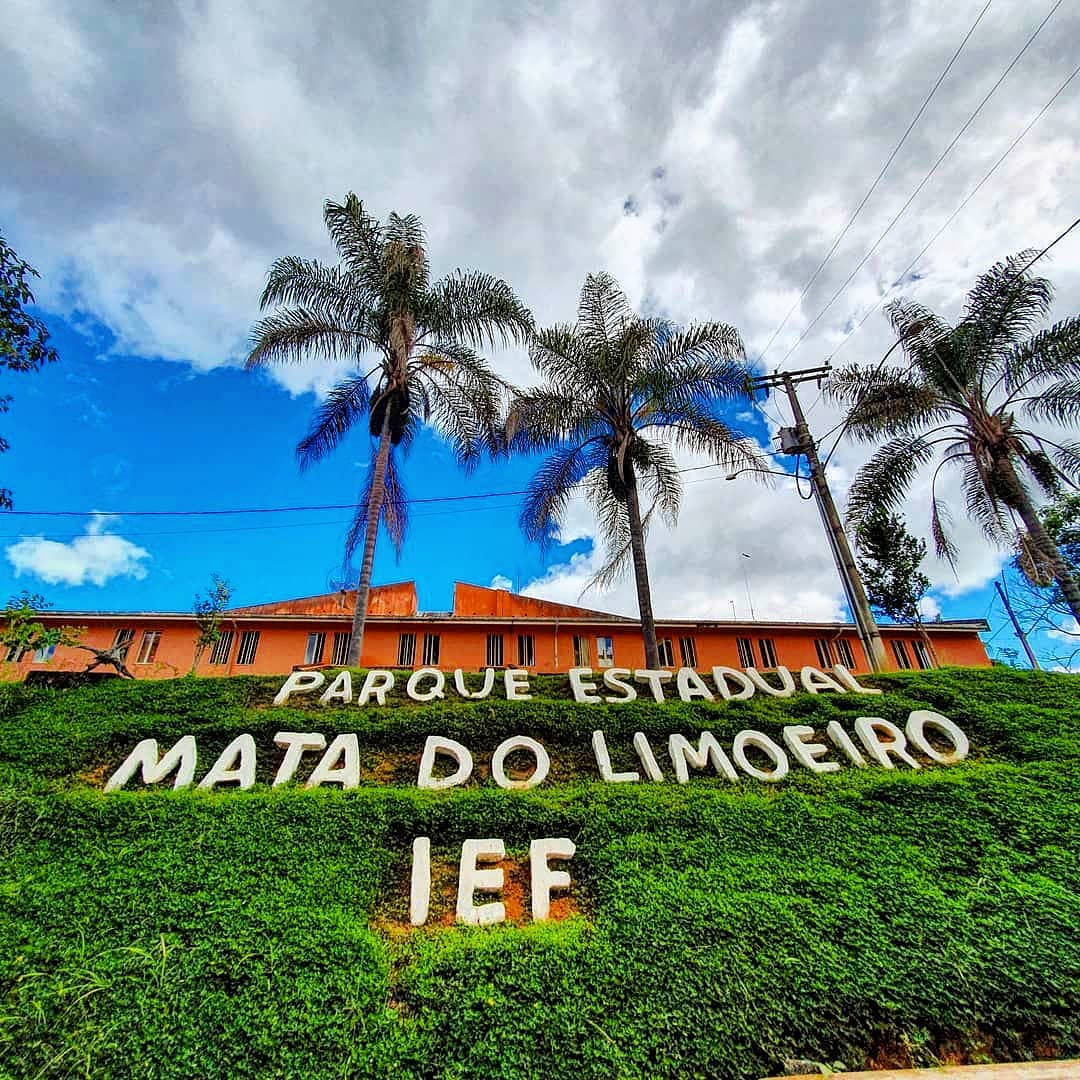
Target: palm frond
[1006, 305]
[885, 402]
[344, 405]
[940, 524]
[550, 489]
[614, 527]
[296, 334]
[394, 514]
[541, 418]
[1059, 403]
[475, 308]
[356, 235]
[881, 484]
[327, 290]
[1042, 469]
[603, 311]
[1067, 458]
[1053, 353]
[657, 475]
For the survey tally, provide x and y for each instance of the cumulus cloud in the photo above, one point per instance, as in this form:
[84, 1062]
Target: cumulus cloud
[96, 557]
[501, 581]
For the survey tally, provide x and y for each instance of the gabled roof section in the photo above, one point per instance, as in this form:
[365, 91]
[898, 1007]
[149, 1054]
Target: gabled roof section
[476, 600]
[397, 599]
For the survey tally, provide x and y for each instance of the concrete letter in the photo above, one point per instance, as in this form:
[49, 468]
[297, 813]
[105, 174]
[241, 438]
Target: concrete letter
[647, 757]
[787, 683]
[868, 727]
[438, 687]
[654, 679]
[294, 744]
[339, 690]
[472, 879]
[347, 774]
[762, 742]
[377, 684]
[814, 681]
[181, 757]
[224, 769]
[851, 682]
[544, 879]
[420, 881]
[508, 746]
[603, 762]
[613, 679]
[475, 695]
[842, 739]
[436, 744]
[299, 682]
[720, 677]
[919, 719]
[517, 685]
[806, 753]
[690, 685]
[584, 692]
[683, 756]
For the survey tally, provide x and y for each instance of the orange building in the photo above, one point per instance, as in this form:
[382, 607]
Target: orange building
[487, 628]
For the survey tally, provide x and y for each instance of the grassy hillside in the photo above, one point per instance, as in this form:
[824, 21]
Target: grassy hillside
[713, 929]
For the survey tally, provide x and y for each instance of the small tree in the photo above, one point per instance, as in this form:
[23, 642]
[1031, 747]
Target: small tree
[889, 558]
[23, 631]
[208, 610]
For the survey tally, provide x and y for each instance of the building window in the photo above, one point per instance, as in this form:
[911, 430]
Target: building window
[123, 639]
[526, 651]
[431, 650]
[406, 650]
[494, 650]
[900, 652]
[688, 651]
[824, 652]
[44, 654]
[316, 645]
[843, 650]
[667, 653]
[768, 652]
[746, 651]
[605, 651]
[148, 646]
[15, 654]
[922, 655]
[249, 646]
[340, 653]
[581, 651]
[222, 647]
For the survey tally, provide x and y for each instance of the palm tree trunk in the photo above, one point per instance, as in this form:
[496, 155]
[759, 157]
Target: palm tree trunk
[375, 504]
[1070, 588]
[641, 570]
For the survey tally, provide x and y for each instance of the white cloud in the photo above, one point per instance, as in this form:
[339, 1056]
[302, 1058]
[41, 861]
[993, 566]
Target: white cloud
[1069, 632]
[929, 608]
[96, 557]
[501, 581]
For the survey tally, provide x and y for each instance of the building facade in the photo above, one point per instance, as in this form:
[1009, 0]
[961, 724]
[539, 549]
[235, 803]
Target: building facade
[486, 628]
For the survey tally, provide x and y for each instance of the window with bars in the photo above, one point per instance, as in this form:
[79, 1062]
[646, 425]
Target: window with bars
[148, 647]
[922, 655]
[824, 652]
[844, 651]
[406, 650]
[900, 652]
[688, 651]
[746, 651]
[605, 651]
[526, 651]
[222, 647]
[494, 650]
[768, 652]
[431, 650]
[316, 645]
[123, 639]
[15, 654]
[44, 654]
[249, 646]
[339, 654]
[667, 653]
[581, 651]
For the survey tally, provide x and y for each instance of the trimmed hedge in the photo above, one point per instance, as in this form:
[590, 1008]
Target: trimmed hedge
[723, 928]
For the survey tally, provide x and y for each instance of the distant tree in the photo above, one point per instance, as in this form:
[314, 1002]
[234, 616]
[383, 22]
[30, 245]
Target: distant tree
[889, 559]
[967, 400]
[23, 338]
[620, 393]
[208, 610]
[1038, 596]
[379, 303]
[23, 631]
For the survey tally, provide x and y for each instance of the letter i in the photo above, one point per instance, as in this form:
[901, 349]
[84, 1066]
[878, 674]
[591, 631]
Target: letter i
[420, 885]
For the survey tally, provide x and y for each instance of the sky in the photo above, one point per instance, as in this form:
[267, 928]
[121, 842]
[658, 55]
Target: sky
[706, 154]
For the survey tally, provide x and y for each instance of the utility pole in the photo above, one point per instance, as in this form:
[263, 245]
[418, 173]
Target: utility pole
[798, 440]
[1016, 625]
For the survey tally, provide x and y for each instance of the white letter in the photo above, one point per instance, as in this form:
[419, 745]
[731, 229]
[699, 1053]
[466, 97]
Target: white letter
[348, 774]
[145, 756]
[691, 685]
[425, 695]
[653, 678]
[867, 727]
[787, 683]
[720, 677]
[815, 681]
[295, 743]
[583, 691]
[223, 770]
[806, 753]
[841, 739]
[517, 685]
[851, 682]
[463, 690]
[544, 879]
[708, 750]
[472, 879]
[919, 718]
[762, 742]
[603, 762]
[420, 881]
[613, 679]
[376, 683]
[437, 745]
[508, 746]
[299, 682]
[339, 690]
[646, 756]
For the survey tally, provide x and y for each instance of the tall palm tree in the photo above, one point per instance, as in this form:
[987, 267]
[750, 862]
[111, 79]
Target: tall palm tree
[379, 303]
[620, 394]
[966, 400]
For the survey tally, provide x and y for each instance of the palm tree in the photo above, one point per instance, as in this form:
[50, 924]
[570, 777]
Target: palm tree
[620, 394]
[966, 401]
[380, 302]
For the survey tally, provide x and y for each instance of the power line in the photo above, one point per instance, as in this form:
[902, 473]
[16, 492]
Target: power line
[922, 183]
[877, 180]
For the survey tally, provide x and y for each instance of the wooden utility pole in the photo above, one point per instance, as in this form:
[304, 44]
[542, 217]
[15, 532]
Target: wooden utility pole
[798, 440]
[1016, 625]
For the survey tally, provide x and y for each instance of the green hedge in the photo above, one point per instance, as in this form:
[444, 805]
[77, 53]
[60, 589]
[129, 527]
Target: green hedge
[722, 928]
